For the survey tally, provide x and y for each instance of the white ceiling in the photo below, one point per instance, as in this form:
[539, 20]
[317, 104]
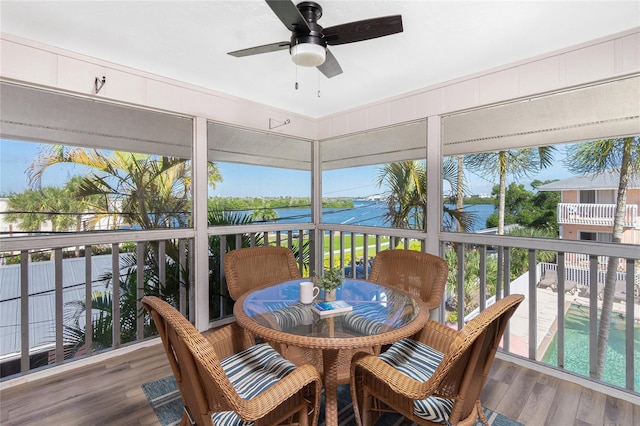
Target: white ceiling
[188, 41]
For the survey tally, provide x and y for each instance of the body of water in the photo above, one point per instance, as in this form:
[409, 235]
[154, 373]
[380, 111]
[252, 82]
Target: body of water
[576, 350]
[370, 213]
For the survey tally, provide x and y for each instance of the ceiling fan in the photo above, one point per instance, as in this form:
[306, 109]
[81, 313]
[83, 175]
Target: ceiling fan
[308, 43]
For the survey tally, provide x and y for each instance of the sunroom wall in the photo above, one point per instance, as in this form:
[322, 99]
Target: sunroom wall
[32, 63]
[46, 66]
[35, 64]
[607, 58]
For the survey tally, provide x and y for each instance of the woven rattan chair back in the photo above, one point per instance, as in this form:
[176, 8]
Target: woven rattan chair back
[252, 267]
[421, 274]
[178, 336]
[460, 376]
[205, 388]
[471, 356]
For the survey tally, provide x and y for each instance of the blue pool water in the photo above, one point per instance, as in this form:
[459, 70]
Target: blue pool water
[576, 352]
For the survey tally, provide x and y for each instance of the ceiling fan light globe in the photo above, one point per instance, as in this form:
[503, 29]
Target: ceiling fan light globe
[308, 54]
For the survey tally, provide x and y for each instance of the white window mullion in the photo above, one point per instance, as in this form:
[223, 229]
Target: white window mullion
[200, 277]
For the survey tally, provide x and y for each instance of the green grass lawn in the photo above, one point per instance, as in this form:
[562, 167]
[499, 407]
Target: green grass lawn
[359, 244]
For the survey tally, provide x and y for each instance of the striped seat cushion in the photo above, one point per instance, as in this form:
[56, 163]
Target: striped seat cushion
[419, 361]
[366, 318]
[293, 315]
[251, 372]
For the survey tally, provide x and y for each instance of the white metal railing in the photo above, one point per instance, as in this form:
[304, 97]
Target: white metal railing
[596, 214]
[538, 308]
[51, 310]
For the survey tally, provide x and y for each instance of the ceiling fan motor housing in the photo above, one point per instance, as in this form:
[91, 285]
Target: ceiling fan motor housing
[308, 46]
[311, 11]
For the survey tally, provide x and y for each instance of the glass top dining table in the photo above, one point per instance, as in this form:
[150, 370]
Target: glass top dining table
[380, 315]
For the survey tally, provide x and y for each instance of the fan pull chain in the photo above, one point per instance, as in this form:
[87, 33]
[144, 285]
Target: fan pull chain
[318, 83]
[296, 77]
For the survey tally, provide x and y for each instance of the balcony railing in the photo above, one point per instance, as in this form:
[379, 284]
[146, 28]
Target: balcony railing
[596, 214]
[486, 258]
[52, 310]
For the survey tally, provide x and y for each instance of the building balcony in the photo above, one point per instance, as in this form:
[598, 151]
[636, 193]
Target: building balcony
[596, 214]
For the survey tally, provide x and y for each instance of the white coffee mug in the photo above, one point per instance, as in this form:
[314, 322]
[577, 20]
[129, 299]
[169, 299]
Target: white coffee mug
[308, 292]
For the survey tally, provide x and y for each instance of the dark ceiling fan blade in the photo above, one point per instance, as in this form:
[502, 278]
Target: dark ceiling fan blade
[330, 67]
[289, 14]
[363, 30]
[261, 49]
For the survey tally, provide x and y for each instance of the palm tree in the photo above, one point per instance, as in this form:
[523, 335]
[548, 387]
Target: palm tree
[460, 188]
[220, 303]
[124, 285]
[519, 256]
[136, 190]
[264, 214]
[471, 264]
[621, 155]
[59, 206]
[453, 173]
[407, 203]
[128, 188]
[515, 162]
[24, 208]
[219, 300]
[407, 194]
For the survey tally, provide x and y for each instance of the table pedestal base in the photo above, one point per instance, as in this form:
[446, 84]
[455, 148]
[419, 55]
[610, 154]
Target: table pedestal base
[330, 364]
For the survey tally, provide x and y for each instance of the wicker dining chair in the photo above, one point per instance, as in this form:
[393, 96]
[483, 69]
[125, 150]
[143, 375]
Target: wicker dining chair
[436, 377]
[224, 377]
[421, 274]
[252, 267]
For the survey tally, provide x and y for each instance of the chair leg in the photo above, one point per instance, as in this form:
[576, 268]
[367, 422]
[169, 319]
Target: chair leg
[303, 416]
[185, 420]
[366, 409]
[483, 417]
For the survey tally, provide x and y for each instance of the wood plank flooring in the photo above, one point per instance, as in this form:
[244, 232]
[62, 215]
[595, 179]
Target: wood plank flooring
[110, 393]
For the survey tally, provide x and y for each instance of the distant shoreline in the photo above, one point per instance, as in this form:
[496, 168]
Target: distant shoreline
[256, 203]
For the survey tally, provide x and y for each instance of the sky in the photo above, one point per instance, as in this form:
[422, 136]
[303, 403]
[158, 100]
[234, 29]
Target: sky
[242, 180]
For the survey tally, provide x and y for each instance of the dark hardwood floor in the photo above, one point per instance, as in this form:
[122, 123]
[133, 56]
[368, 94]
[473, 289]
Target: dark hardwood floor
[110, 393]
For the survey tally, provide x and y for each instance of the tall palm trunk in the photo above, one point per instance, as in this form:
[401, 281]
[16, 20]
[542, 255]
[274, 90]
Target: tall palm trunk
[460, 190]
[78, 229]
[501, 281]
[612, 264]
[503, 192]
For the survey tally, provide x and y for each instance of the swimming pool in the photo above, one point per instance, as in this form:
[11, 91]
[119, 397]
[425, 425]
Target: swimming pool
[576, 352]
